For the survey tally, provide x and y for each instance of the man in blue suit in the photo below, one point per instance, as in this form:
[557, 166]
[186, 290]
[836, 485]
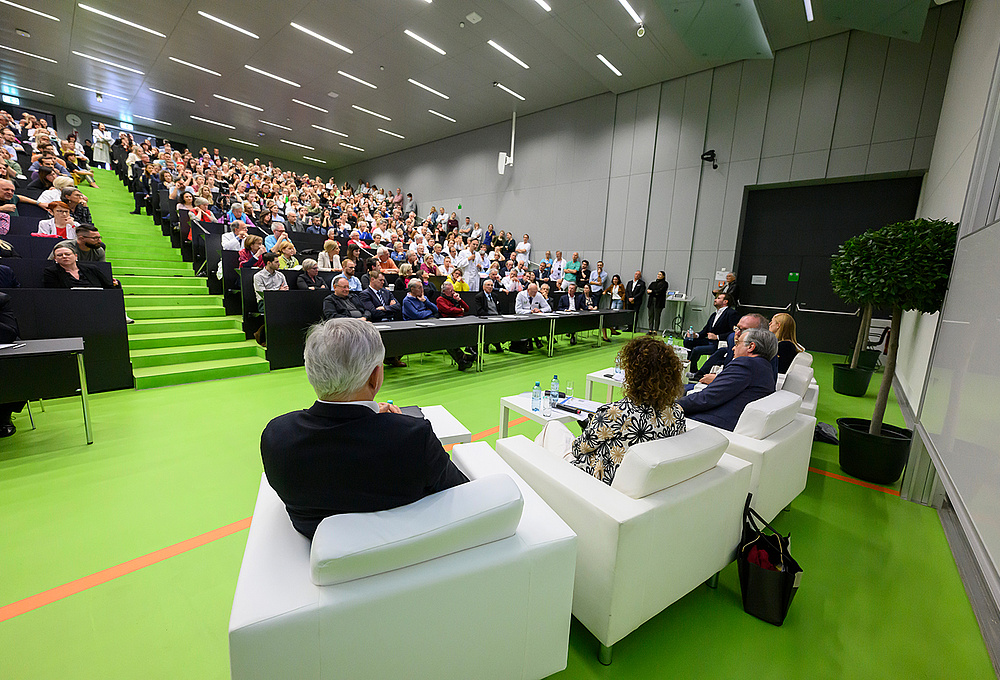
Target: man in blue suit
[748, 377]
[382, 306]
[718, 326]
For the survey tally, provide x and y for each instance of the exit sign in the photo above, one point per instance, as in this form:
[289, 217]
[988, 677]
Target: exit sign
[793, 276]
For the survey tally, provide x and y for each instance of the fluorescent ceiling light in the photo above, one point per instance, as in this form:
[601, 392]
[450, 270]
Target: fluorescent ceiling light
[18, 88]
[213, 122]
[267, 122]
[357, 80]
[425, 42]
[609, 65]
[628, 8]
[370, 113]
[237, 102]
[318, 160]
[509, 91]
[152, 120]
[28, 9]
[356, 148]
[229, 25]
[271, 75]
[101, 92]
[332, 132]
[311, 106]
[429, 89]
[171, 94]
[441, 115]
[507, 54]
[809, 9]
[303, 146]
[240, 141]
[108, 63]
[544, 5]
[321, 37]
[119, 19]
[200, 68]
[28, 54]
[394, 134]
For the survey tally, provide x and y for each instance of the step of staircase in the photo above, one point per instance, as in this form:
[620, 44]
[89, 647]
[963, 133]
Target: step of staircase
[186, 272]
[173, 312]
[133, 289]
[187, 354]
[132, 260]
[144, 327]
[176, 338]
[178, 374]
[170, 300]
[156, 280]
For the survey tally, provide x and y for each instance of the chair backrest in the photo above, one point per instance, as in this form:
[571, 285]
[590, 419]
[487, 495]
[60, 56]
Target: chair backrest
[653, 466]
[765, 416]
[801, 359]
[797, 380]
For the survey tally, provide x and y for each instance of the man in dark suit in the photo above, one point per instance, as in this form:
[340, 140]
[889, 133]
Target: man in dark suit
[8, 333]
[347, 452]
[574, 302]
[634, 292]
[731, 287]
[722, 357]
[718, 326]
[381, 305]
[486, 304]
[748, 377]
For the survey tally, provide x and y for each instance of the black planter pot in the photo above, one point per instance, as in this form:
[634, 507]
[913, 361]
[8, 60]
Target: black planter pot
[869, 359]
[874, 458]
[851, 381]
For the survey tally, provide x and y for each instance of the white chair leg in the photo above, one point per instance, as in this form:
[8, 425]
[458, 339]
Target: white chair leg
[604, 655]
[713, 581]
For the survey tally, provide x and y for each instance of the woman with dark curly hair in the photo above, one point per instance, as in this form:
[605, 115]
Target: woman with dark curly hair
[653, 383]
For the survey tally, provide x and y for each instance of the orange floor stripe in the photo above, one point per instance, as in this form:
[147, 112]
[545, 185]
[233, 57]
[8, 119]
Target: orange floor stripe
[858, 482]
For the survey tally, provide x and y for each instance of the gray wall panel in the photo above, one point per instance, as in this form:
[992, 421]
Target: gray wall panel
[660, 201]
[810, 165]
[711, 199]
[922, 148]
[859, 90]
[668, 129]
[624, 133]
[652, 262]
[676, 267]
[751, 113]
[820, 94]
[848, 161]
[722, 112]
[644, 139]
[740, 176]
[787, 82]
[889, 156]
[697, 95]
[614, 226]
[903, 81]
[776, 169]
[937, 73]
[682, 210]
[637, 210]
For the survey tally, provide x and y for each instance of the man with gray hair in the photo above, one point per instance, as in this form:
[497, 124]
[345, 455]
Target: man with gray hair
[347, 452]
[748, 377]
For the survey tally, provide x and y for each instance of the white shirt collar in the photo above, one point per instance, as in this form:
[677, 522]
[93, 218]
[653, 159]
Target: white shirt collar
[370, 404]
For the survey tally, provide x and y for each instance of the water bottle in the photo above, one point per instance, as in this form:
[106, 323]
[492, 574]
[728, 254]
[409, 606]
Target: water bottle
[547, 405]
[690, 333]
[618, 368]
[554, 391]
[536, 397]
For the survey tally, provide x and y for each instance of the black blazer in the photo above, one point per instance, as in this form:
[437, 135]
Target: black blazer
[303, 282]
[479, 307]
[581, 304]
[338, 458]
[634, 289]
[372, 300]
[335, 307]
[8, 323]
[721, 404]
[723, 325]
[55, 276]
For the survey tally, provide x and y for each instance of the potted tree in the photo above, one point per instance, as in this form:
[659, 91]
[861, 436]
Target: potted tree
[854, 273]
[902, 267]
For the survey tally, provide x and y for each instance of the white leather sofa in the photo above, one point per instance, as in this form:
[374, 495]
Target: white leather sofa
[472, 582]
[800, 382]
[777, 439]
[670, 521]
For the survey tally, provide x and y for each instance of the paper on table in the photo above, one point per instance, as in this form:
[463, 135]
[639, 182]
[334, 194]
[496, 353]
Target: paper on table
[424, 323]
[511, 316]
[585, 405]
[383, 327]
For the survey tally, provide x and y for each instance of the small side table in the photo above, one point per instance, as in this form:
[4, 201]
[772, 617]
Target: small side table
[604, 377]
[521, 403]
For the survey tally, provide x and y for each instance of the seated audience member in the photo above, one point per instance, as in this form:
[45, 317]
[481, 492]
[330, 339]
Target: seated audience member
[55, 192]
[61, 224]
[329, 259]
[748, 377]
[233, 240]
[385, 263]
[87, 246]
[723, 356]
[648, 411]
[237, 214]
[379, 302]
[252, 253]
[530, 302]
[416, 306]
[572, 301]
[457, 281]
[546, 292]
[278, 235]
[286, 256]
[310, 279]
[201, 212]
[486, 305]
[67, 272]
[9, 200]
[783, 327]
[706, 341]
[268, 278]
[373, 268]
[451, 305]
[353, 282]
[348, 453]
[8, 279]
[45, 181]
[77, 203]
[590, 301]
[8, 333]
[343, 304]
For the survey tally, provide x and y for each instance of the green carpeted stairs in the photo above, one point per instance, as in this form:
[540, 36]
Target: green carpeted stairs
[181, 333]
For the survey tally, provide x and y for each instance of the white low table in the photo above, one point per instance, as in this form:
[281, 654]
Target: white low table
[446, 427]
[602, 378]
[521, 403]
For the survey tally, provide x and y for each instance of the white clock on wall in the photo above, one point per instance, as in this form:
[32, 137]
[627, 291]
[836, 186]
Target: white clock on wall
[74, 119]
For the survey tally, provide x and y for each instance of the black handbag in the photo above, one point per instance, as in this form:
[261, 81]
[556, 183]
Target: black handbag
[767, 593]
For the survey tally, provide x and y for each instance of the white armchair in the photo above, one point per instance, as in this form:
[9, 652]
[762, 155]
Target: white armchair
[777, 439]
[670, 521]
[464, 583]
[799, 381]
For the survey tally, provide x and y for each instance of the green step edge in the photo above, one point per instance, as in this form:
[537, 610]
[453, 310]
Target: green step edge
[184, 338]
[170, 356]
[162, 376]
[146, 326]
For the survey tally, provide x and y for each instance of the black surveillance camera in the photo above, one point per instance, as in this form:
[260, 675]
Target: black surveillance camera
[710, 157]
[495, 83]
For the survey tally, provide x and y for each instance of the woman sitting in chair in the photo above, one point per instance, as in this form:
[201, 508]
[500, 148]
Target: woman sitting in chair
[783, 327]
[649, 411]
[68, 273]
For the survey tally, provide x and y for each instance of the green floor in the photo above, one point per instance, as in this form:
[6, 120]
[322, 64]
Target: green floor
[880, 597]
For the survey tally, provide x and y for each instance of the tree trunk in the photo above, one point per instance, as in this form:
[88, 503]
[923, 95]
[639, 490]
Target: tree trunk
[890, 371]
[862, 341]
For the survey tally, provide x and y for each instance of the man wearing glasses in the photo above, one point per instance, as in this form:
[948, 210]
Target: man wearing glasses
[87, 246]
[722, 357]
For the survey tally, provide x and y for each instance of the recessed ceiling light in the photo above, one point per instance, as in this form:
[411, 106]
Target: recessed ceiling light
[357, 80]
[441, 115]
[321, 37]
[501, 50]
[267, 122]
[101, 92]
[429, 89]
[318, 160]
[356, 148]
[108, 63]
[809, 10]
[200, 68]
[229, 25]
[28, 54]
[237, 102]
[311, 106]
[152, 120]
[609, 65]
[509, 91]
[171, 94]
[425, 42]
[303, 146]
[213, 122]
[332, 132]
[332, 95]
[240, 141]
[544, 5]
[119, 19]
[370, 113]
[18, 88]
[28, 9]
[628, 8]
[394, 134]
[271, 75]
